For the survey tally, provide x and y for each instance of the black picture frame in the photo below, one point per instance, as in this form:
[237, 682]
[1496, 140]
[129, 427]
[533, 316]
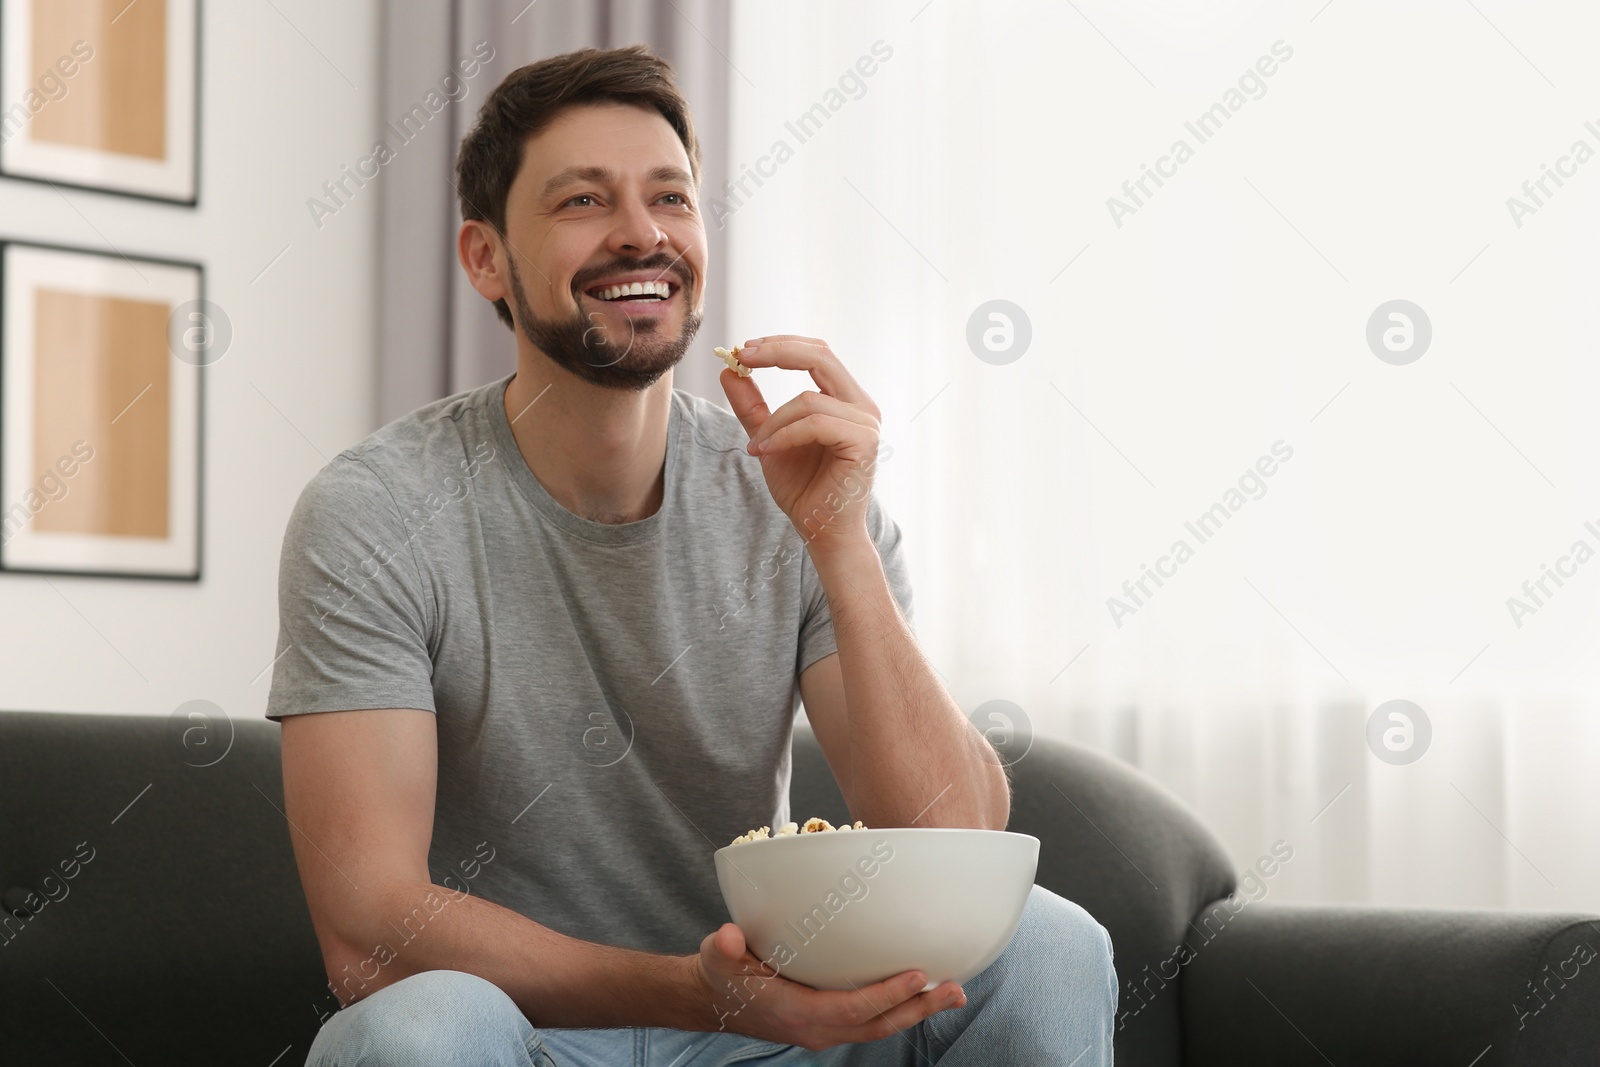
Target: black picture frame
[19, 158]
[15, 272]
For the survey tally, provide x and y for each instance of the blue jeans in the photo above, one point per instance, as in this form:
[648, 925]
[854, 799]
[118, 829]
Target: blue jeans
[1049, 999]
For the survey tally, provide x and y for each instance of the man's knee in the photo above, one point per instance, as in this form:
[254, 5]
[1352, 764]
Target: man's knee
[1058, 937]
[429, 1017]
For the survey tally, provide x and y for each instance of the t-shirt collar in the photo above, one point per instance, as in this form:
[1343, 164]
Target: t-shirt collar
[551, 509]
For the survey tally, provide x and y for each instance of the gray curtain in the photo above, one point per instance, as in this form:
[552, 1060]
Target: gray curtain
[436, 335]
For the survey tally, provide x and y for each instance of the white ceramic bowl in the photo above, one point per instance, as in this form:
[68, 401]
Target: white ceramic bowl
[845, 908]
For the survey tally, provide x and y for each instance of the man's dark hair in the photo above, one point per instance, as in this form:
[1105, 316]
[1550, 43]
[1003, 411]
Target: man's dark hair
[531, 97]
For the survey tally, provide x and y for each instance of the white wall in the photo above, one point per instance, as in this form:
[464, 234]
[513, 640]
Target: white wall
[289, 92]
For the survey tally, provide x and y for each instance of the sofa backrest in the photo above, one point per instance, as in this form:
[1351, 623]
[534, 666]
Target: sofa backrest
[168, 922]
[1113, 841]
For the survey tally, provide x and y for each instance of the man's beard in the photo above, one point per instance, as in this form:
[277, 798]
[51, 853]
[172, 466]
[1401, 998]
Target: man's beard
[583, 346]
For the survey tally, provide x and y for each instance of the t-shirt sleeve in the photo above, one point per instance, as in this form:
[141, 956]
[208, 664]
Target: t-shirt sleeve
[816, 627]
[353, 614]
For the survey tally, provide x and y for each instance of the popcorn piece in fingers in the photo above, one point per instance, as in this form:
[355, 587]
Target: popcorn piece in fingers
[732, 360]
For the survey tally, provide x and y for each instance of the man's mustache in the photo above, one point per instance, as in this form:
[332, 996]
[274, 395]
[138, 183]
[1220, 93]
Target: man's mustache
[662, 265]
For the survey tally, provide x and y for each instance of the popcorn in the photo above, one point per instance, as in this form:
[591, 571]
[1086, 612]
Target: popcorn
[812, 825]
[732, 360]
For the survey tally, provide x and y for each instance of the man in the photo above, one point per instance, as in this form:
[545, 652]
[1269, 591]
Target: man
[541, 641]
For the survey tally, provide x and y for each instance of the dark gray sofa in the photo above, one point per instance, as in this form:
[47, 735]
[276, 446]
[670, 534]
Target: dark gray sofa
[173, 931]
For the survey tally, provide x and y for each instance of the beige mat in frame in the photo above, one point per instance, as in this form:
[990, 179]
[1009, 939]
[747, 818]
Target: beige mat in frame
[99, 424]
[101, 94]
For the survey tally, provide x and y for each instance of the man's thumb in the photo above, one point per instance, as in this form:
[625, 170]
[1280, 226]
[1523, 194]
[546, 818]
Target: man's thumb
[729, 941]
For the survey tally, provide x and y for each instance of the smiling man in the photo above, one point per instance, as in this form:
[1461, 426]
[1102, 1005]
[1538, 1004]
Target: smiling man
[519, 714]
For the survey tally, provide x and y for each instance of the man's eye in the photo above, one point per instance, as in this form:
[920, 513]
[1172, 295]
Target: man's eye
[680, 196]
[580, 196]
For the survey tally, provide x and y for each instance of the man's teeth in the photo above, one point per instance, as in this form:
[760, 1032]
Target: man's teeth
[619, 292]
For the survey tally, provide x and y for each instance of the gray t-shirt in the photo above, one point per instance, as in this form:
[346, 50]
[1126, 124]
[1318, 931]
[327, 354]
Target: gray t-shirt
[613, 702]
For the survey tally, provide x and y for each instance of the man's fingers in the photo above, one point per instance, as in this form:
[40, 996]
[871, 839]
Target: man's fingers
[878, 1010]
[890, 1011]
[812, 402]
[859, 1006]
[855, 440]
[787, 337]
[911, 1012]
[902, 1016]
[901, 997]
[744, 396]
[895, 990]
[815, 358]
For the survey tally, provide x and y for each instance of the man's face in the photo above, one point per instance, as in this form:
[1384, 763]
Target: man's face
[605, 197]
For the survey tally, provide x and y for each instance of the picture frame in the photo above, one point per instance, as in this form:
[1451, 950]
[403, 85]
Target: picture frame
[102, 95]
[101, 413]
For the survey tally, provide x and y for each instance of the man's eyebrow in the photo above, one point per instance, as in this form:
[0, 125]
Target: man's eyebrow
[604, 175]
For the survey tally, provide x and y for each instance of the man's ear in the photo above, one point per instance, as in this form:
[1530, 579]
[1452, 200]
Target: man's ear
[478, 247]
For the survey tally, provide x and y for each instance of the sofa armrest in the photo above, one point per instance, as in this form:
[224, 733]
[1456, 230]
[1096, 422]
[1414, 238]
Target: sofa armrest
[1375, 986]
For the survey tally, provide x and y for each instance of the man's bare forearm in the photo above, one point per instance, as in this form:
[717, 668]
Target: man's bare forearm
[556, 980]
[914, 757]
